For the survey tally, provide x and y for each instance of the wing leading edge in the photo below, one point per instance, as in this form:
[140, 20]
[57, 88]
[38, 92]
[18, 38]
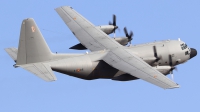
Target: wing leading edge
[118, 56]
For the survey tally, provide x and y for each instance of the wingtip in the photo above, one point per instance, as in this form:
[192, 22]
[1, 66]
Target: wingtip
[177, 86]
[64, 6]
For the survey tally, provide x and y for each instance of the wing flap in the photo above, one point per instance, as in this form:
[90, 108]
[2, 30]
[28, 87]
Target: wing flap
[41, 70]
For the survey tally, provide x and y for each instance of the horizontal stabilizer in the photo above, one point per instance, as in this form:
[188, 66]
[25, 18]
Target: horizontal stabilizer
[41, 70]
[12, 53]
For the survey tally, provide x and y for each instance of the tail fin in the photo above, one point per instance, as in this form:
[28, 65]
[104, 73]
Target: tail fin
[32, 46]
[33, 51]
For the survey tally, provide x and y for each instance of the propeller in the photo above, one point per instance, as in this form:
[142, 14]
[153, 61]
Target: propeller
[155, 54]
[114, 24]
[171, 72]
[172, 67]
[129, 36]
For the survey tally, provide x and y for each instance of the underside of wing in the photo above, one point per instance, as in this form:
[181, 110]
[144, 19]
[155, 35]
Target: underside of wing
[133, 65]
[78, 47]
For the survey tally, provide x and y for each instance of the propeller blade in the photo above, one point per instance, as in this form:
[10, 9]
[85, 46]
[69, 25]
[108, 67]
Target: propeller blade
[113, 23]
[110, 23]
[118, 29]
[114, 20]
[125, 31]
[171, 72]
[172, 76]
[170, 60]
[176, 68]
[130, 42]
[129, 36]
[155, 52]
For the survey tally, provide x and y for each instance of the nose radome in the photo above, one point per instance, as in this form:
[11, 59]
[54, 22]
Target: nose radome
[193, 53]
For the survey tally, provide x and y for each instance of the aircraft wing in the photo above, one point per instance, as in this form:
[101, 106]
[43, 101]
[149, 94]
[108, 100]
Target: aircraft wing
[118, 56]
[91, 37]
[130, 63]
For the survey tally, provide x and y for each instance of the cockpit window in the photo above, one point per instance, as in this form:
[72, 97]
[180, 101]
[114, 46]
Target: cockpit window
[186, 53]
[183, 46]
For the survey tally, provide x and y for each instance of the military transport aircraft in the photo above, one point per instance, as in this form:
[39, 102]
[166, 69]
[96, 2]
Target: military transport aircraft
[109, 58]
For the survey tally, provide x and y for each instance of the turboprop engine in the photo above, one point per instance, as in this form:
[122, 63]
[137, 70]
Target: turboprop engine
[122, 40]
[164, 69]
[108, 29]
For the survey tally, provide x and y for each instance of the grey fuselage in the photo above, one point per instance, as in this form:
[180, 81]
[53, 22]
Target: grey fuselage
[89, 66]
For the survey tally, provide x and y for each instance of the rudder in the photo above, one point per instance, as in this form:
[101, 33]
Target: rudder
[32, 46]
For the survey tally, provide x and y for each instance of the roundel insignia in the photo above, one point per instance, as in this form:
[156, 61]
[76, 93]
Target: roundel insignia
[78, 70]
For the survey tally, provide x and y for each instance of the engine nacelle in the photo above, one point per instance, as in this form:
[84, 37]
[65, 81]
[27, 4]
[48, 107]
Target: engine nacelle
[163, 69]
[122, 40]
[108, 29]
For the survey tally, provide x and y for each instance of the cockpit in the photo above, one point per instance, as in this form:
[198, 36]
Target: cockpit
[183, 47]
[191, 51]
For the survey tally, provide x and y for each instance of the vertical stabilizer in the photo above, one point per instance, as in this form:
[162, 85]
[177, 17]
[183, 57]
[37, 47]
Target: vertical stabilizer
[32, 46]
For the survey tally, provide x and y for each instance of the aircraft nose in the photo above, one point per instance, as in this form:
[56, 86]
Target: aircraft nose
[193, 53]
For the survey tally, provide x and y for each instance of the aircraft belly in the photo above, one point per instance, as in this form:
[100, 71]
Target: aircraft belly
[102, 70]
[82, 67]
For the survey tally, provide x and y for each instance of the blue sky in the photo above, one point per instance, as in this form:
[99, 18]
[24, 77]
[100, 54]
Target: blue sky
[20, 91]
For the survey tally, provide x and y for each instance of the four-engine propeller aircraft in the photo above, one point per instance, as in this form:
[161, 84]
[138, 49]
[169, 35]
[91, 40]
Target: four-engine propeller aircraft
[109, 58]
